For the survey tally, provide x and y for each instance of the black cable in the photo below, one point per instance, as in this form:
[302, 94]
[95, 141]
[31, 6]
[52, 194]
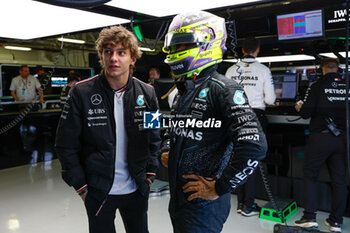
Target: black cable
[18, 118]
[347, 84]
[269, 192]
[160, 34]
[292, 120]
[231, 29]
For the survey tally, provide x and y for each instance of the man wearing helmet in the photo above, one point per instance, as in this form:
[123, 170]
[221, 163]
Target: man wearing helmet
[222, 142]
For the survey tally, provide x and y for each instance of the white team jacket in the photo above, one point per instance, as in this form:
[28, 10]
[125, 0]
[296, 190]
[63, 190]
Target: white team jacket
[256, 80]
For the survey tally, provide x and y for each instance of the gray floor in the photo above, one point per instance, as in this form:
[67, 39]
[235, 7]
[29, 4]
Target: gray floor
[34, 199]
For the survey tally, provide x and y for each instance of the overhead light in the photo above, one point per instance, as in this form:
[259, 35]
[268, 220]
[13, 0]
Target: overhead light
[17, 48]
[146, 49]
[161, 10]
[332, 55]
[343, 54]
[48, 20]
[284, 58]
[71, 40]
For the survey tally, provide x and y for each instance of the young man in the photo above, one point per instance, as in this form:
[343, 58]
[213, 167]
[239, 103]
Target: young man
[106, 154]
[325, 104]
[203, 168]
[24, 86]
[257, 82]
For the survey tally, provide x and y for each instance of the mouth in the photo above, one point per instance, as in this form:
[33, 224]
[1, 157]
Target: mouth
[113, 67]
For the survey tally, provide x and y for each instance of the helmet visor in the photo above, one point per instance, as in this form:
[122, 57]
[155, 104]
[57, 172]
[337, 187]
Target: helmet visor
[184, 37]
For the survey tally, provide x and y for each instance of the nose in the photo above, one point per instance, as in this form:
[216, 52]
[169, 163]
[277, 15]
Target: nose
[180, 47]
[114, 56]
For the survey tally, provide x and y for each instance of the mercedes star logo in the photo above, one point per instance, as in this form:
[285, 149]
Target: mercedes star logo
[96, 99]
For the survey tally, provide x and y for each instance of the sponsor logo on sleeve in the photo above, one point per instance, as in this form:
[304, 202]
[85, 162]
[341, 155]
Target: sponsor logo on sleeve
[238, 98]
[140, 100]
[203, 93]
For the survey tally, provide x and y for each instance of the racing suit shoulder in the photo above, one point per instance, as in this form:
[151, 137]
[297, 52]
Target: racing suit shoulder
[223, 82]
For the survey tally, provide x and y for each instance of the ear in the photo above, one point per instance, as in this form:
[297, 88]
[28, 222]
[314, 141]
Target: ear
[258, 50]
[133, 60]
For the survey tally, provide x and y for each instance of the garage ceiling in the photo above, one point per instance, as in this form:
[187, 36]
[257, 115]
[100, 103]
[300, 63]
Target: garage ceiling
[256, 18]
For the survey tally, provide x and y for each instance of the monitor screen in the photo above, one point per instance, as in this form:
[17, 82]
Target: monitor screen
[58, 81]
[286, 86]
[300, 25]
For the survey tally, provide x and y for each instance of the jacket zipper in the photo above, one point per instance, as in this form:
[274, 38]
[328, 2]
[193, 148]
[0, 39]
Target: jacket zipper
[105, 199]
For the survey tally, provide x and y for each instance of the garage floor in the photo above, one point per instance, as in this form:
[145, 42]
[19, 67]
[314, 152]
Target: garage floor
[34, 199]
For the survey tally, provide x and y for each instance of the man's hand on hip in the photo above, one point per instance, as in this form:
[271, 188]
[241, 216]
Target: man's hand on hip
[201, 187]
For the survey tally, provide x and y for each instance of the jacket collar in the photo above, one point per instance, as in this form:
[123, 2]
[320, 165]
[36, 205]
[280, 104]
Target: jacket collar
[106, 83]
[249, 59]
[332, 75]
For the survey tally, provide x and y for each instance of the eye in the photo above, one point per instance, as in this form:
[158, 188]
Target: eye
[122, 53]
[107, 51]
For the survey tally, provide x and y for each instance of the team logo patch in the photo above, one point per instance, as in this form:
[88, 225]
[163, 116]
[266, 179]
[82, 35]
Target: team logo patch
[140, 100]
[238, 97]
[151, 120]
[96, 99]
[203, 93]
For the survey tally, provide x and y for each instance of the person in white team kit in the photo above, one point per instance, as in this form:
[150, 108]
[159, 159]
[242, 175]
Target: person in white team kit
[257, 82]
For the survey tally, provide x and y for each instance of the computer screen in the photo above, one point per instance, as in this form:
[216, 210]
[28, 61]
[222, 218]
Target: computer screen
[300, 25]
[286, 86]
[58, 81]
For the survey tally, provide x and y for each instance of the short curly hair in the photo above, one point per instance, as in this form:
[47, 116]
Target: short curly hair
[117, 35]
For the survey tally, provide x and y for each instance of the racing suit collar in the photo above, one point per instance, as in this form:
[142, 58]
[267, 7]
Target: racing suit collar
[184, 84]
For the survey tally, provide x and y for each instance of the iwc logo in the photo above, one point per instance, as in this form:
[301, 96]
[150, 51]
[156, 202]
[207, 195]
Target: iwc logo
[96, 99]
